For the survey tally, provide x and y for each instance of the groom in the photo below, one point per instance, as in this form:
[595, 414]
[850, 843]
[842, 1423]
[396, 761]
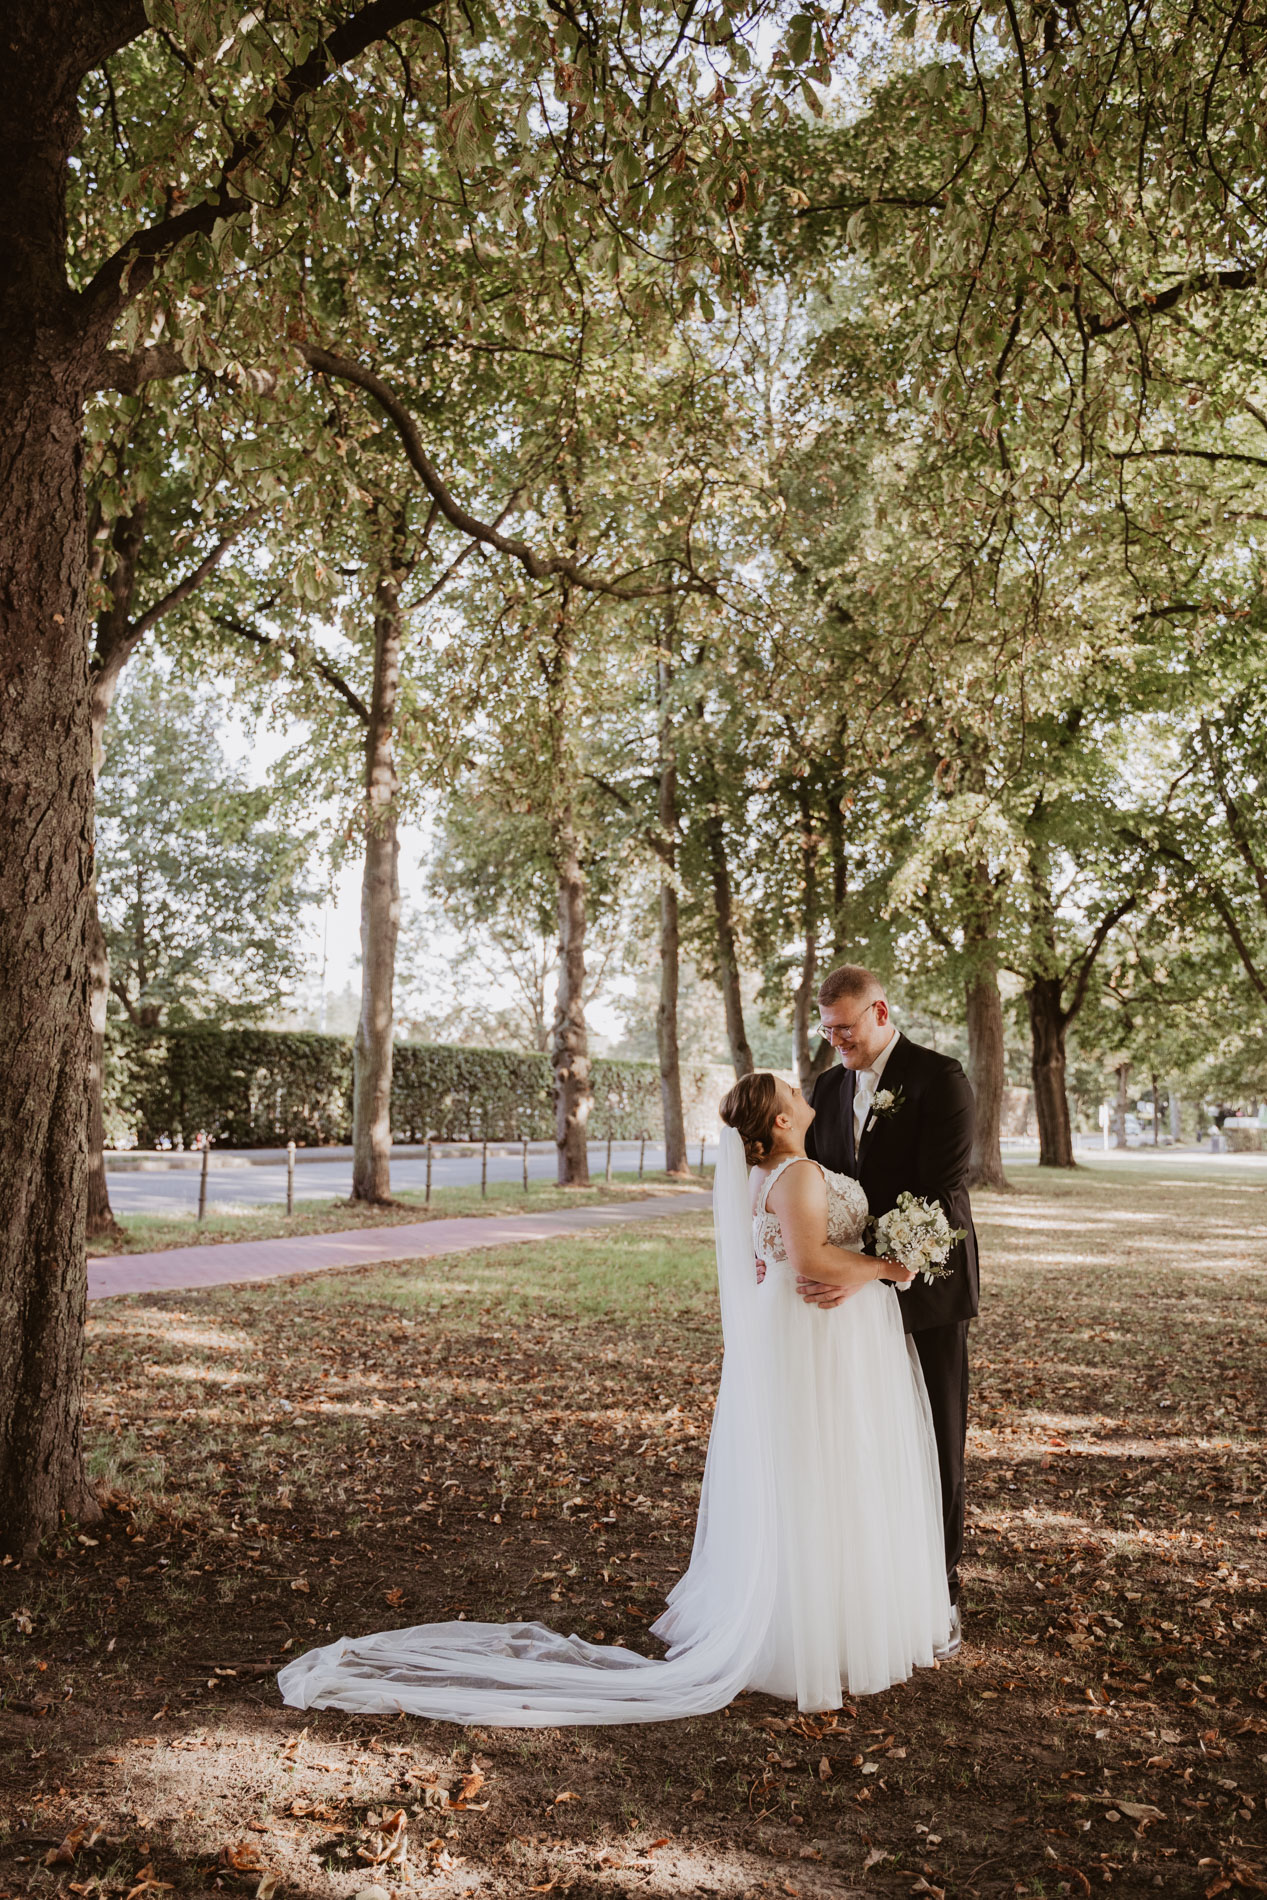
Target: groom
[899, 1119]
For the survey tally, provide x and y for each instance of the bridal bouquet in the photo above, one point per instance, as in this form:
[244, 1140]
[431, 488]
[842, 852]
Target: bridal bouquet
[917, 1234]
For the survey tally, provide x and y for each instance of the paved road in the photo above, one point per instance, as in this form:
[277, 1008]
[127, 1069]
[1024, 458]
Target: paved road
[170, 1193]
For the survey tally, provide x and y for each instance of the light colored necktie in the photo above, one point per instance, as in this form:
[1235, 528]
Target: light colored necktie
[864, 1089]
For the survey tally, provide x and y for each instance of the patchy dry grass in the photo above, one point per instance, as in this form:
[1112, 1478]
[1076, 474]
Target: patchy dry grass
[229, 1220]
[522, 1433]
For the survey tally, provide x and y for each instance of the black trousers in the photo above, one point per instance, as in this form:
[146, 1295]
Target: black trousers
[943, 1354]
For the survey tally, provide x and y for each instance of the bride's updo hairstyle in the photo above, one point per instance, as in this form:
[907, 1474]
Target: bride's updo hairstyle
[750, 1108]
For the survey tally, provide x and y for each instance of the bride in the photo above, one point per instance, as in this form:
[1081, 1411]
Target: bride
[818, 1565]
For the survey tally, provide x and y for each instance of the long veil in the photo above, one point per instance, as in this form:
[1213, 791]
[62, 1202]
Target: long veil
[523, 1675]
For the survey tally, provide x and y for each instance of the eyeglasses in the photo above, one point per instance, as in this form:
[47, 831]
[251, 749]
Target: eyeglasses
[830, 1031]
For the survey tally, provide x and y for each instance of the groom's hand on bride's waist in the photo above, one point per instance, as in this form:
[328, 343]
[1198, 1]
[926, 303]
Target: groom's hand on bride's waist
[820, 1292]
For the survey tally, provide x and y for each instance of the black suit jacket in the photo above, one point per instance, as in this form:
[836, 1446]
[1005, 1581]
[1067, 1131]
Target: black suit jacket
[924, 1148]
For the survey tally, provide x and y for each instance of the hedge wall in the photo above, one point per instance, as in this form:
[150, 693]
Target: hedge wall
[260, 1088]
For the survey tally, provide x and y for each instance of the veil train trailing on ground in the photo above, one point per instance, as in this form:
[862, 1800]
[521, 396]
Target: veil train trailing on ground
[817, 1554]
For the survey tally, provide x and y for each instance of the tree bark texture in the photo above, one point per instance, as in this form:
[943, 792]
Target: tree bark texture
[986, 1072]
[675, 1160]
[1048, 1023]
[380, 916]
[727, 952]
[46, 870]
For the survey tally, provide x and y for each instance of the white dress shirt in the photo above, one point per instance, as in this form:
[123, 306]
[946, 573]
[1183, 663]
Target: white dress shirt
[866, 1082]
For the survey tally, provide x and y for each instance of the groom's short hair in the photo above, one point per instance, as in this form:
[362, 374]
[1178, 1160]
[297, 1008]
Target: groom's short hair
[850, 980]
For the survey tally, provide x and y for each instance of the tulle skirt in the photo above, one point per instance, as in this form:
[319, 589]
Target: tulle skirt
[860, 1593]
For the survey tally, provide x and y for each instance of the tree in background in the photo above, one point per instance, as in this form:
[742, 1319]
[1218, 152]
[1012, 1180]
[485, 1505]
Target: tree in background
[162, 516]
[201, 887]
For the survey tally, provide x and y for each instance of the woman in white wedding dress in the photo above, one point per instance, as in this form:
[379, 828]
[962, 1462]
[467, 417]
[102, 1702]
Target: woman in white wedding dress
[818, 1565]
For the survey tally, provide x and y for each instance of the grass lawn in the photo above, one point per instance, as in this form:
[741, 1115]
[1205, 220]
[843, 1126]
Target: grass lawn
[227, 1220]
[521, 1433]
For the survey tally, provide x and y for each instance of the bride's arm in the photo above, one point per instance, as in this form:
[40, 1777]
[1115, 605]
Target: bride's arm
[799, 1200]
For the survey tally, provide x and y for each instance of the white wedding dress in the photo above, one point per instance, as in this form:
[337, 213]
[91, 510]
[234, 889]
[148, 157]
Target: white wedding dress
[818, 1560]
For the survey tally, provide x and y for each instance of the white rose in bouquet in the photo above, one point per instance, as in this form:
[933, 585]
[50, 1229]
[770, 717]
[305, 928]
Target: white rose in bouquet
[917, 1234]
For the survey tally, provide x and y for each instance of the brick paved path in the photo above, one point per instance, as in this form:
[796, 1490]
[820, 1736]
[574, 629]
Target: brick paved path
[180, 1268]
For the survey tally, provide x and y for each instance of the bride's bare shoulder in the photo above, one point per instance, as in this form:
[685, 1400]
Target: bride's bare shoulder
[798, 1187]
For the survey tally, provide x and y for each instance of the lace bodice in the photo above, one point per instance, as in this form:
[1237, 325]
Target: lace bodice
[846, 1214]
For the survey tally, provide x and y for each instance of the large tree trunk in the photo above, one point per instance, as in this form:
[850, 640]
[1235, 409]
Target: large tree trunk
[727, 953]
[46, 858]
[675, 1160]
[1048, 1023]
[569, 1045]
[380, 917]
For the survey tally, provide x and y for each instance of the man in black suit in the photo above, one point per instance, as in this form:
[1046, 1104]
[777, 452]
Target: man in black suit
[898, 1118]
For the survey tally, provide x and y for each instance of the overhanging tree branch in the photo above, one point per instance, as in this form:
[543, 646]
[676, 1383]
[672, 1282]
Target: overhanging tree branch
[192, 581]
[127, 371]
[540, 567]
[132, 266]
[116, 649]
[1156, 304]
[1092, 951]
[302, 654]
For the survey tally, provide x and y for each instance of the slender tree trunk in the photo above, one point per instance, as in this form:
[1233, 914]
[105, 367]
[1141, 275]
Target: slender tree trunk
[1156, 1115]
[727, 952]
[380, 917]
[1048, 1024]
[803, 999]
[1119, 1107]
[569, 1038]
[839, 877]
[984, 1009]
[675, 1160]
[46, 868]
[824, 1054]
[569, 1045]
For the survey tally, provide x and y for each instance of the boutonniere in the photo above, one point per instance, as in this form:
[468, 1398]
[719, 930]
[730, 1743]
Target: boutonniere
[887, 1102]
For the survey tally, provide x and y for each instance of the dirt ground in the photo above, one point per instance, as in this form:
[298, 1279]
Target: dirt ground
[521, 1434]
